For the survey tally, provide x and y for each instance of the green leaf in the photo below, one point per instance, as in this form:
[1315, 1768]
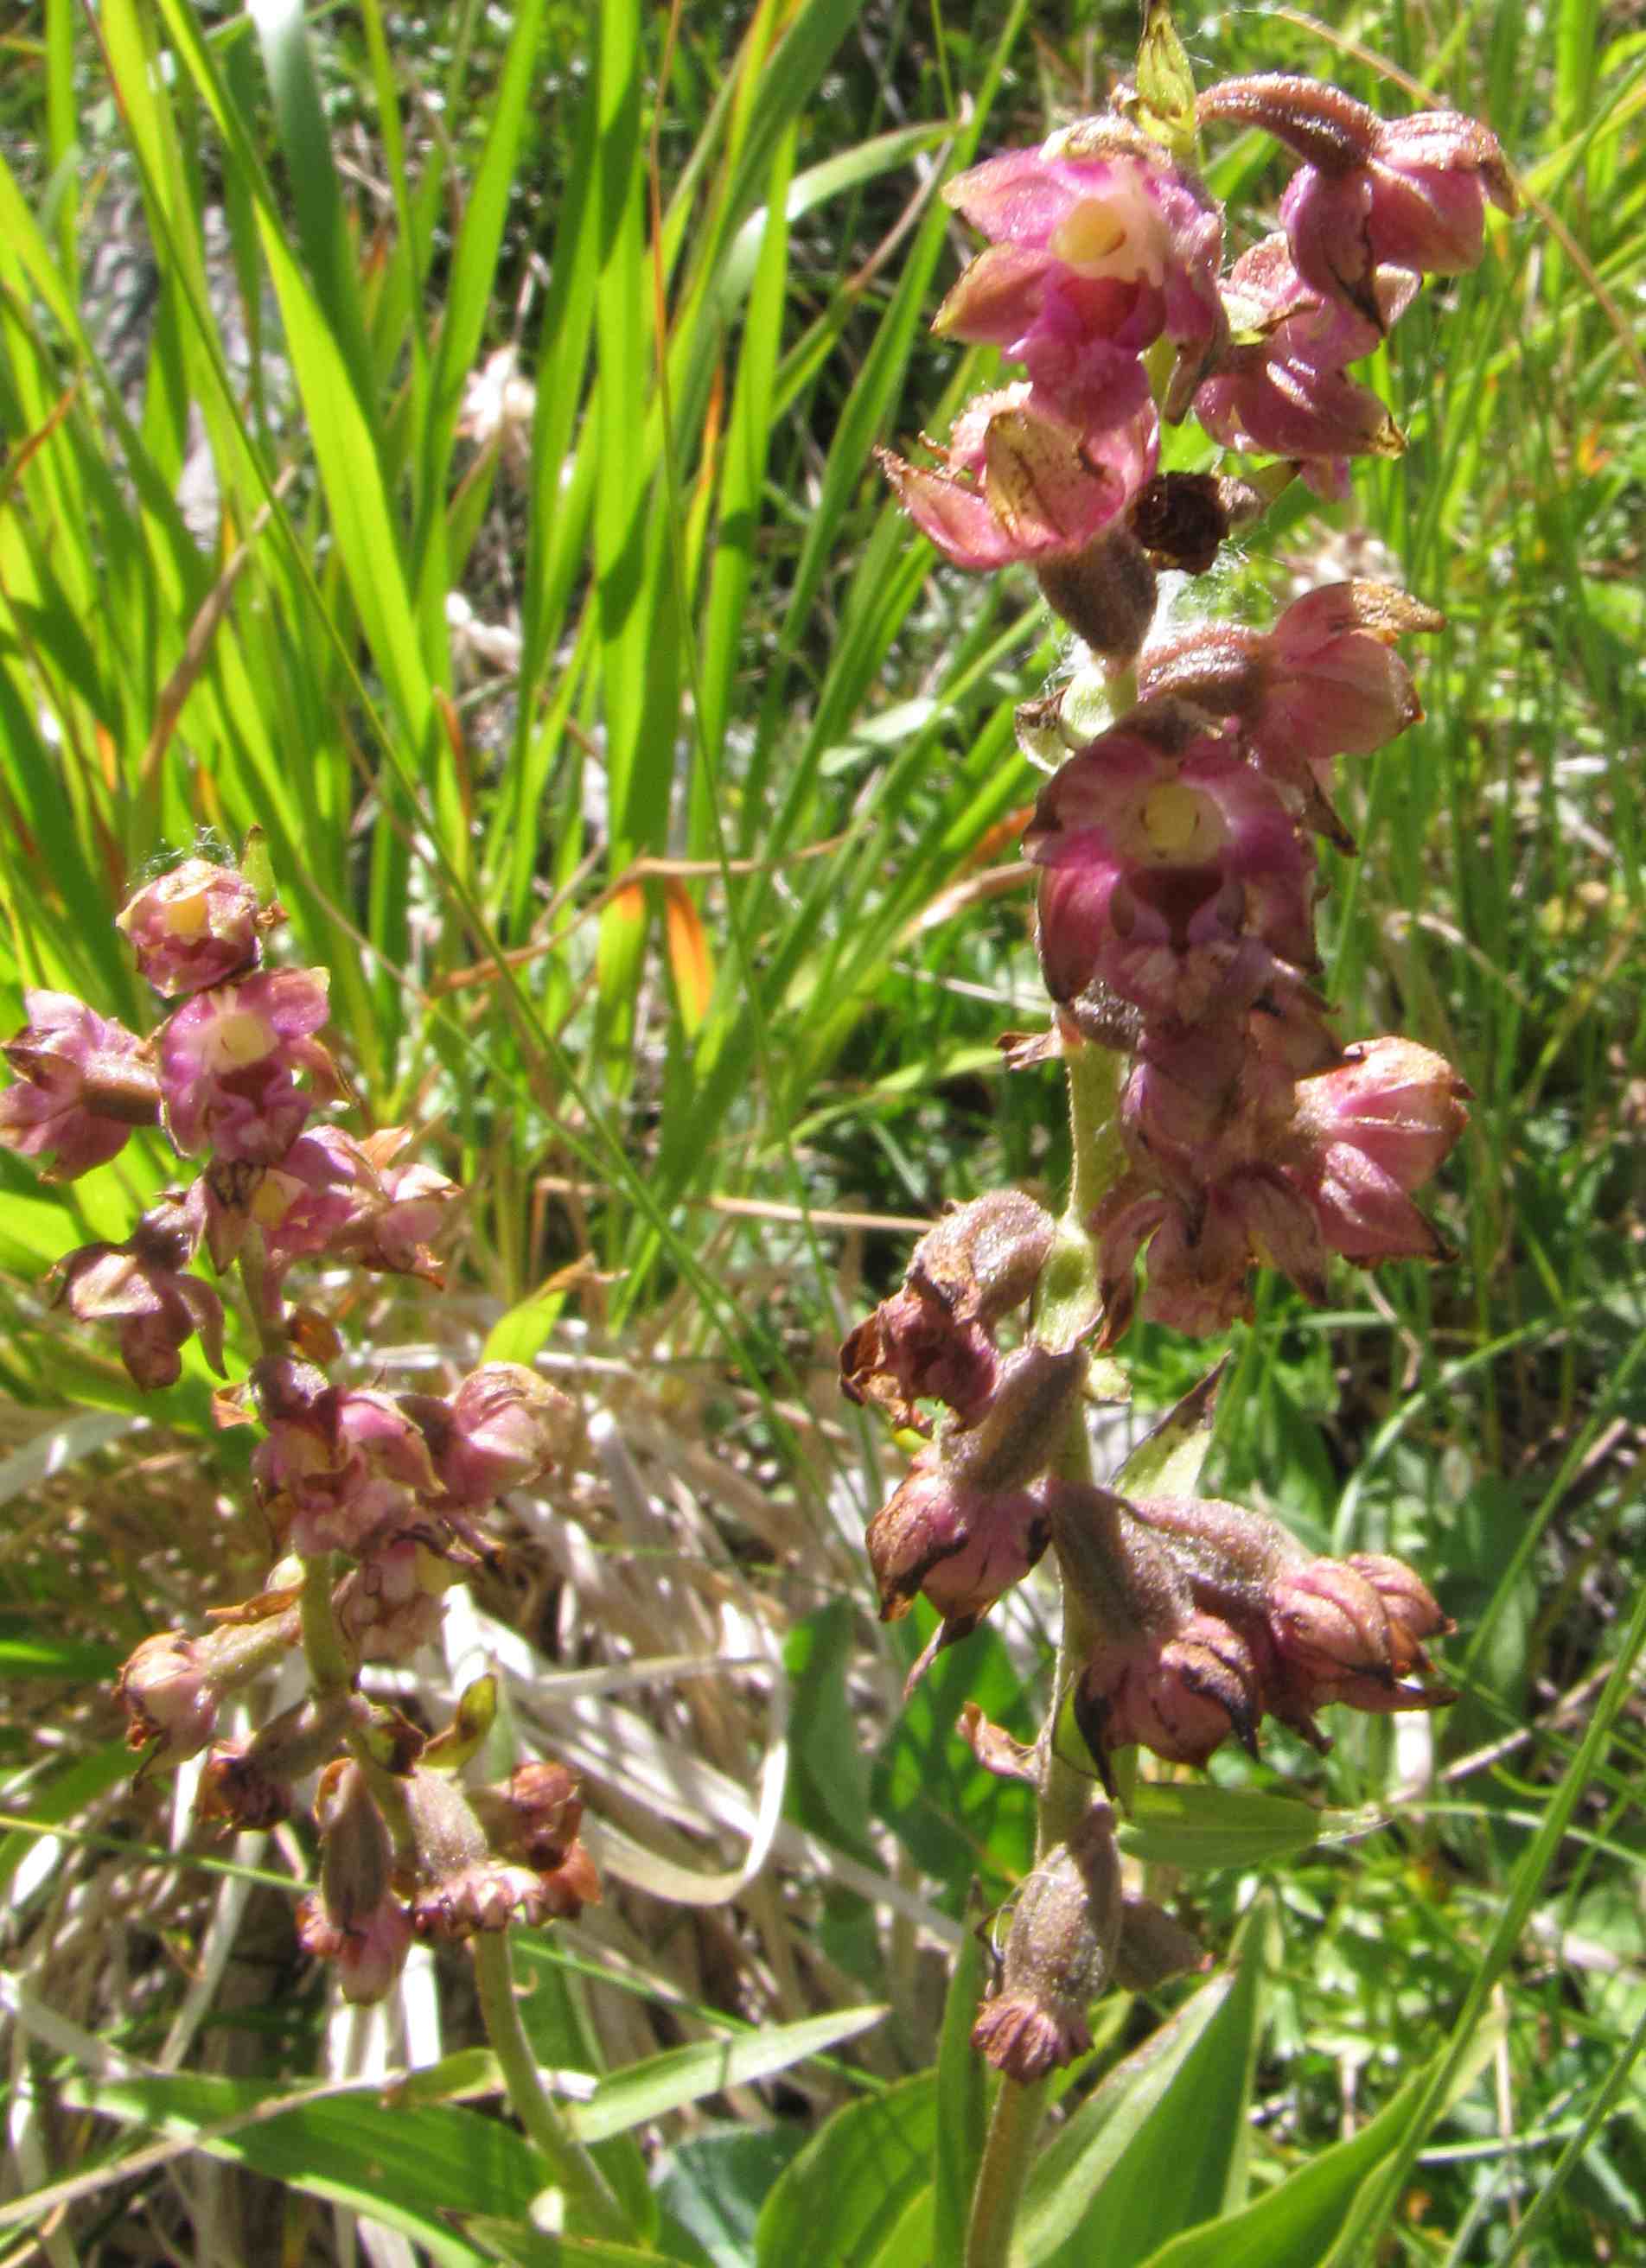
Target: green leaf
[1166, 1461]
[411, 2169]
[1199, 1826]
[682, 2075]
[715, 2184]
[1165, 83]
[827, 1791]
[52, 1802]
[845, 2194]
[962, 2094]
[526, 2247]
[323, 221]
[1296, 2225]
[1118, 2180]
[909, 2243]
[954, 1820]
[26, 1652]
[467, 1733]
[518, 1335]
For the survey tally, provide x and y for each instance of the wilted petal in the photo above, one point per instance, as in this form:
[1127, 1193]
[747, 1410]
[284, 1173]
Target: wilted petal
[144, 1285]
[83, 1083]
[914, 1348]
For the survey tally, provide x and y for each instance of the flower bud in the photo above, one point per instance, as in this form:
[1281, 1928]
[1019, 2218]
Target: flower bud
[961, 1546]
[398, 1238]
[985, 1258]
[1021, 1431]
[172, 1687]
[1413, 1612]
[194, 927]
[1328, 1622]
[357, 1920]
[1181, 1697]
[1410, 191]
[1323, 682]
[1059, 1955]
[248, 1783]
[1157, 1670]
[168, 1697]
[1376, 1126]
[1317, 1630]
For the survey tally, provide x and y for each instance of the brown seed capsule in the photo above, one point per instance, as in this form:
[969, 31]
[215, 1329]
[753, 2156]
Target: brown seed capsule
[1059, 1955]
[1106, 594]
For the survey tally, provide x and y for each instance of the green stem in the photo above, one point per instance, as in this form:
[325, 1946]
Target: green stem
[1068, 1286]
[589, 2197]
[1068, 1305]
[271, 1329]
[1012, 2125]
[328, 1663]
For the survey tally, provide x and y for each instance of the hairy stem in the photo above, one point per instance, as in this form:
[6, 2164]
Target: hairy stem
[588, 2198]
[1068, 1306]
[1012, 2125]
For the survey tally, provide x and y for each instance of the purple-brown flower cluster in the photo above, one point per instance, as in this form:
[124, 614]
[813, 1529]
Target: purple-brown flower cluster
[1195, 1617]
[393, 1485]
[373, 1500]
[1201, 1618]
[1177, 888]
[234, 1075]
[1104, 247]
[419, 1856]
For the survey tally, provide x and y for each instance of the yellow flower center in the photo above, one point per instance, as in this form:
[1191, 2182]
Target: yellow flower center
[1180, 824]
[1121, 234]
[186, 917]
[234, 1039]
[276, 1194]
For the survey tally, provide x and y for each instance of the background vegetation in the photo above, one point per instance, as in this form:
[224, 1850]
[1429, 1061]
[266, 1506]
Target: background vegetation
[652, 801]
